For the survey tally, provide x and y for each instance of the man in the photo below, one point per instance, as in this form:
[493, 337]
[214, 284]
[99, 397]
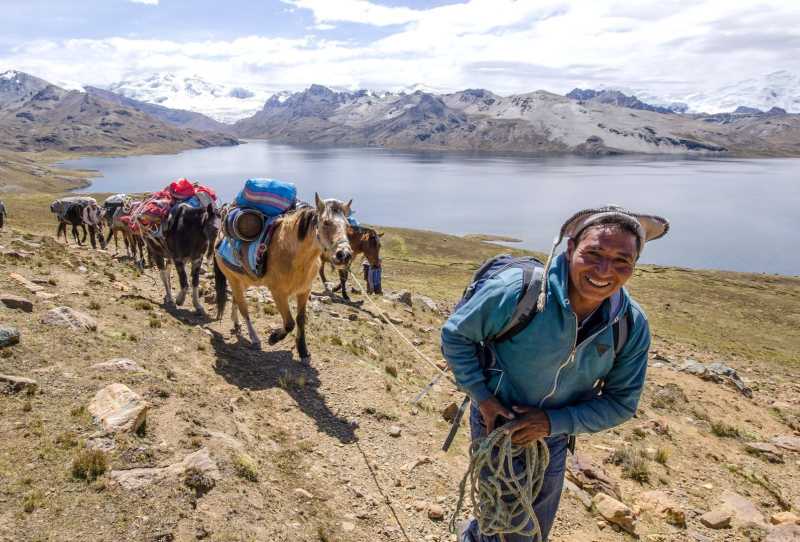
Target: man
[542, 382]
[2, 214]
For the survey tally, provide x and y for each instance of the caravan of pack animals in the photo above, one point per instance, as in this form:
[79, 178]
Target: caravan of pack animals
[265, 237]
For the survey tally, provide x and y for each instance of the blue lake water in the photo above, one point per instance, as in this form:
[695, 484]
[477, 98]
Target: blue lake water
[739, 215]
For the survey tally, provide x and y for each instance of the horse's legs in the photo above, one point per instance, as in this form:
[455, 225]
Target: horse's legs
[196, 265]
[322, 275]
[240, 302]
[343, 283]
[282, 302]
[163, 268]
[302, 348]
[75, 235]
[92, 236]
[62, 228]
[180, 267]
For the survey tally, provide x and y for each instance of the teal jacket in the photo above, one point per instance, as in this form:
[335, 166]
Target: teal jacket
[542, 366]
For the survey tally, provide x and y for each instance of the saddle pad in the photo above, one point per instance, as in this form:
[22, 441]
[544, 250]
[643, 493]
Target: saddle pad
[270, 196]
[247, 257]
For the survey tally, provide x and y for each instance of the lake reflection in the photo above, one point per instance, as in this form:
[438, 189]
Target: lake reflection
[725, 214]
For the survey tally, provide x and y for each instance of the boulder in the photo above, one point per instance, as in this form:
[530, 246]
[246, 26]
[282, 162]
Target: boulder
[16, 302]
[615, 512]
[69, 318]
[435, 512]
[787, 442]
[119, 409]
[662, 505]
[788, 532]
[744, 512]
[768, 451]
[200, 461]
[16, 384]
[9, 336]
[118, 364]
[717, 519]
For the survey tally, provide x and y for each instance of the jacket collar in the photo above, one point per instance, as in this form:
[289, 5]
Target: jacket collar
[558, 288]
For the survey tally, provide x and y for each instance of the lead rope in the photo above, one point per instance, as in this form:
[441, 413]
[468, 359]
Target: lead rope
[502, 497]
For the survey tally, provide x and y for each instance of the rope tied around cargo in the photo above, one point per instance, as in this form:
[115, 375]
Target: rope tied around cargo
[502, 496]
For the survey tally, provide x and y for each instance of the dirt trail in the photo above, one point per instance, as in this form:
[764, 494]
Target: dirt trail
[307, 452]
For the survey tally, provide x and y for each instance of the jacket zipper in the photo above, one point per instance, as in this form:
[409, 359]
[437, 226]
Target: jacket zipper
[572, 353]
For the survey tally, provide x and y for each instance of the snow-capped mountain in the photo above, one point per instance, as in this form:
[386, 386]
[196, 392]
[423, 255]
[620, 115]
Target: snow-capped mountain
[224, 103]
[777, 89]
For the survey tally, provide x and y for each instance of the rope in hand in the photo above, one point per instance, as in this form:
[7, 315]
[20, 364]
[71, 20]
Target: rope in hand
[502, 496]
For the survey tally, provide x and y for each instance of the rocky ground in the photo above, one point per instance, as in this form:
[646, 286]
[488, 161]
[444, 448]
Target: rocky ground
[124, 420]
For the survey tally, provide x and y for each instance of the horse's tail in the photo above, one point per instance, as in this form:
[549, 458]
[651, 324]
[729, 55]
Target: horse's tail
[221, 287]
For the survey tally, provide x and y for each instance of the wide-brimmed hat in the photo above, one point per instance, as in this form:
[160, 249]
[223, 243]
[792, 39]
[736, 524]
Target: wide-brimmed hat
[647, 227]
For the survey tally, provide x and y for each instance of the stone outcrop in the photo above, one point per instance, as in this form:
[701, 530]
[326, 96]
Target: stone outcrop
[119, 409]
[663, 506]
[199, 461]
[9, 336]
[69, 318]
[16, 302]
[615, 512]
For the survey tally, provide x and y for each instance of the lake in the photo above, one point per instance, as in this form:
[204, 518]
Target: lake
[725, 214]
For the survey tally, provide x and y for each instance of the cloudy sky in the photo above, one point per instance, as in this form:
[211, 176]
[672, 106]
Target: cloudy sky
[503, 45]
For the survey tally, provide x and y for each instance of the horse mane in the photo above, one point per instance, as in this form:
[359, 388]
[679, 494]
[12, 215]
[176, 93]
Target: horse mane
[307, 218]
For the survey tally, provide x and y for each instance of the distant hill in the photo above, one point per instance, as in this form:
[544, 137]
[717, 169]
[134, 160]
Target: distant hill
[537, 123]
[615, 97]
[176, 117]
[36, 116]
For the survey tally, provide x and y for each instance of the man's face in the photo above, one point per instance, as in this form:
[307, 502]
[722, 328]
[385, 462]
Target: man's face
[601, 263]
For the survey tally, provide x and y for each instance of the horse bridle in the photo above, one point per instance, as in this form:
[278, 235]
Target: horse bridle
[332, 248]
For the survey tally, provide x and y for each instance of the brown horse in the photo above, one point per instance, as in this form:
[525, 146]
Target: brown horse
[362, 240]
[120, 222]
[292, 263]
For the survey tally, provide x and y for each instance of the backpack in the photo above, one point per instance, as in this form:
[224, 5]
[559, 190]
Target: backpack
[524, 313]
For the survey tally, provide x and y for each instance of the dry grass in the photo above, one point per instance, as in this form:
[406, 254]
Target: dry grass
[89, 464]
[245, 467]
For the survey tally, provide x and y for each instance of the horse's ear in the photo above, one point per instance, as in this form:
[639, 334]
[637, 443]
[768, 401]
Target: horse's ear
[347, 208]
[381, 234]
[319, 202]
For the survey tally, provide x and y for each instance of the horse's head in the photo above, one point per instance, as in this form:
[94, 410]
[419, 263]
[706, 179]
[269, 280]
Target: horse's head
[212, 222]
[369, 243]
[332, 230]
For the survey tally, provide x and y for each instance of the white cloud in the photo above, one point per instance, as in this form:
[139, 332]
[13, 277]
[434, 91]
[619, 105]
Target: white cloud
[147, 2]
[507, 46]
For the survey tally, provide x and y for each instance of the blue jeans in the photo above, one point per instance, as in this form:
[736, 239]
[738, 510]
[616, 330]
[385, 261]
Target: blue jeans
[546, 504]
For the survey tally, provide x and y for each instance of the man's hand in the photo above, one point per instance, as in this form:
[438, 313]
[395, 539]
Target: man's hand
[531, 424]
[490, 409]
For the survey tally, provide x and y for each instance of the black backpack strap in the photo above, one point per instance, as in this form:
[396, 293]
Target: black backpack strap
[526, 306]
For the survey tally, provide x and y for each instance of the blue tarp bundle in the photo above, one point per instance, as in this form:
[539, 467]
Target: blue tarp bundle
[270, 196]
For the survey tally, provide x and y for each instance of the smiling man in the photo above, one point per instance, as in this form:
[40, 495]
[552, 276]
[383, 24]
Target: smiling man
[587, 336]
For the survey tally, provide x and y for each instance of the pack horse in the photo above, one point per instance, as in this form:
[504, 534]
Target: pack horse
[286, 243]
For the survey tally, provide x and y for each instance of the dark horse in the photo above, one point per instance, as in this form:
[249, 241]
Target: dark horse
[79, 215]
[188, 233]
[362, 240]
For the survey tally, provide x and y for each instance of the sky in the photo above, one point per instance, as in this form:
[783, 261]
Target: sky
[507, 46]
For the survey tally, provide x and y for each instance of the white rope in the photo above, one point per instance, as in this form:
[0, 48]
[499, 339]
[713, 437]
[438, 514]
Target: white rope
[386, 319]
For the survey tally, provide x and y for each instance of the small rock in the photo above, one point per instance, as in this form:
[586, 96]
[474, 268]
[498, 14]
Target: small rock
[348, 526]
[394, 431]
[118, 364]
[615, 512]
[402, 296]
[104, 444]
[9, 336]
[784, 517]
[419, 506]
[303, 494]
[416, 341]
[425, 302]
[717, 519]
[744, 512]
[82, 269]
[16, 302]
[395, 320]
[118, 408]
[70, 318]
[25, 283]
[435, 512]
[16, 384]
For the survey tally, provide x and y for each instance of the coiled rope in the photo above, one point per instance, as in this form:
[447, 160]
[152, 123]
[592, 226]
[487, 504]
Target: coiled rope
[502, 497]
